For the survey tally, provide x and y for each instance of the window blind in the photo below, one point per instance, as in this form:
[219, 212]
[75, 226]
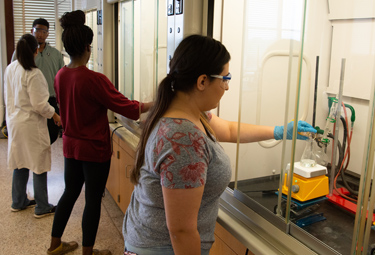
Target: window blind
[63, 6]
[85, 5]
[25, 12]
[79, 4]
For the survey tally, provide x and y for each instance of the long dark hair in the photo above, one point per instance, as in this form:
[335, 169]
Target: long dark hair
[26, 47]
[76, 35]
[194, 56]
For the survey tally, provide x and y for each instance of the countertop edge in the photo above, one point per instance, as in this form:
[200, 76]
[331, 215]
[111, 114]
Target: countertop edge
[124, 134]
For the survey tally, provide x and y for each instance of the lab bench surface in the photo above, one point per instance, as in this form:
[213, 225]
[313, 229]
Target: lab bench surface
[336, 231]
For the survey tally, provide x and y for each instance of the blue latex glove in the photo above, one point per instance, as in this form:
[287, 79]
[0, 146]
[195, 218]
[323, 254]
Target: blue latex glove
[303, 126]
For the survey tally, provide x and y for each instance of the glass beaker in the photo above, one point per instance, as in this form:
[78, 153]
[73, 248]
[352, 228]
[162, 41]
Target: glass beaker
[308, 158]
[321, 156]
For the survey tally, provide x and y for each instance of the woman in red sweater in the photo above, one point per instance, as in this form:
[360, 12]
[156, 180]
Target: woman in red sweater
[84, 97]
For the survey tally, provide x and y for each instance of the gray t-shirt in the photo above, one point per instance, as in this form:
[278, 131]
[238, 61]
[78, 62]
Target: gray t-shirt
[178, 156]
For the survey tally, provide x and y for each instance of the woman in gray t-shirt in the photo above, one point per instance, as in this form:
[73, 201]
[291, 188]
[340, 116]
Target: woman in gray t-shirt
[181, 170]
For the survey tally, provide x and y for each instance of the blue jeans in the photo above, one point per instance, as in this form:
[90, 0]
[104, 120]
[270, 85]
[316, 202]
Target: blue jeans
[161, 250]
[19, 196]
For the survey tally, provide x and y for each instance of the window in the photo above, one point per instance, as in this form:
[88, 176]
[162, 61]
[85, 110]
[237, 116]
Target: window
[91, 21]
[25, 12]
[63, 6]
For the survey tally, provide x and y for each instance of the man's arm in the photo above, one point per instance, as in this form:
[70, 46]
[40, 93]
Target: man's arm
[61, 61]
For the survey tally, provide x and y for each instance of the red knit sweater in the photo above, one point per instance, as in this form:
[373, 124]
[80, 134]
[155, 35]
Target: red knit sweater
[84, 97]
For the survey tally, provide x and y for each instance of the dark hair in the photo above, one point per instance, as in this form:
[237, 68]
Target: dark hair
[76, 35]
[41, 21]
[194, 56]
[26, 47]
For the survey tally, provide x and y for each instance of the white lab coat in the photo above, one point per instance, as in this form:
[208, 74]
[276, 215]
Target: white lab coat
[27, 109]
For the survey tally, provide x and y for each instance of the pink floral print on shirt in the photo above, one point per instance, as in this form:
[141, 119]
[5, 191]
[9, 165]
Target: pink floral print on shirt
[185, 163]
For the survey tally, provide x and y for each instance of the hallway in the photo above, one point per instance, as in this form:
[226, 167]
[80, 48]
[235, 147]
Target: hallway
[22, 234]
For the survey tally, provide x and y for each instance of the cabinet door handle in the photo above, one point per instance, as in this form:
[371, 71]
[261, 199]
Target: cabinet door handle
[118, 154]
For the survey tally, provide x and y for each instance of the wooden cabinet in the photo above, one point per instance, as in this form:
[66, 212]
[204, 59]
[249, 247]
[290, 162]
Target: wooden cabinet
[126, 164]
[226, 244]
[118, 184]
[112, 182]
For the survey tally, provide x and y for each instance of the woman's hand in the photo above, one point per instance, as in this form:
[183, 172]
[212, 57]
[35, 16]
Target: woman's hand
[302, 127]
[57, 119]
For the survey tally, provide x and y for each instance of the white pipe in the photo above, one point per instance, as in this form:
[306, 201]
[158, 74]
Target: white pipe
[272, 143]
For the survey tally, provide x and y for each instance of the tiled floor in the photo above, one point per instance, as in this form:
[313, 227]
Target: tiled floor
[22, 234]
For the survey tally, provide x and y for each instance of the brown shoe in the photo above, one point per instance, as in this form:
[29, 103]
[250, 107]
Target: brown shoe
[64, 248]
[101, 252]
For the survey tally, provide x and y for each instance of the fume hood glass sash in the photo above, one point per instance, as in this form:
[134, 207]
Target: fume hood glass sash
[296, 117]
[149, 15]
[271, 35]
[366, 196]
[126, 48]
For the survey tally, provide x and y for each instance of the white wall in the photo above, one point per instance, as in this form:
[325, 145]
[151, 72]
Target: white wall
[318, 40]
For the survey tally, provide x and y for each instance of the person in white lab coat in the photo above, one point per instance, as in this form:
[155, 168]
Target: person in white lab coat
[49, 60]
[27, 111]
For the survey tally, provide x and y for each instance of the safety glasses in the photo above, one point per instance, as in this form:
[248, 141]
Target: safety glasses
[226, 78]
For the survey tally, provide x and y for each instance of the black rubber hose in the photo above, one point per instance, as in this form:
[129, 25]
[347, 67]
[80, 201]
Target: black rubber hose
[341, 150]
[315, 89]
[347, 186]
[345, 134]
